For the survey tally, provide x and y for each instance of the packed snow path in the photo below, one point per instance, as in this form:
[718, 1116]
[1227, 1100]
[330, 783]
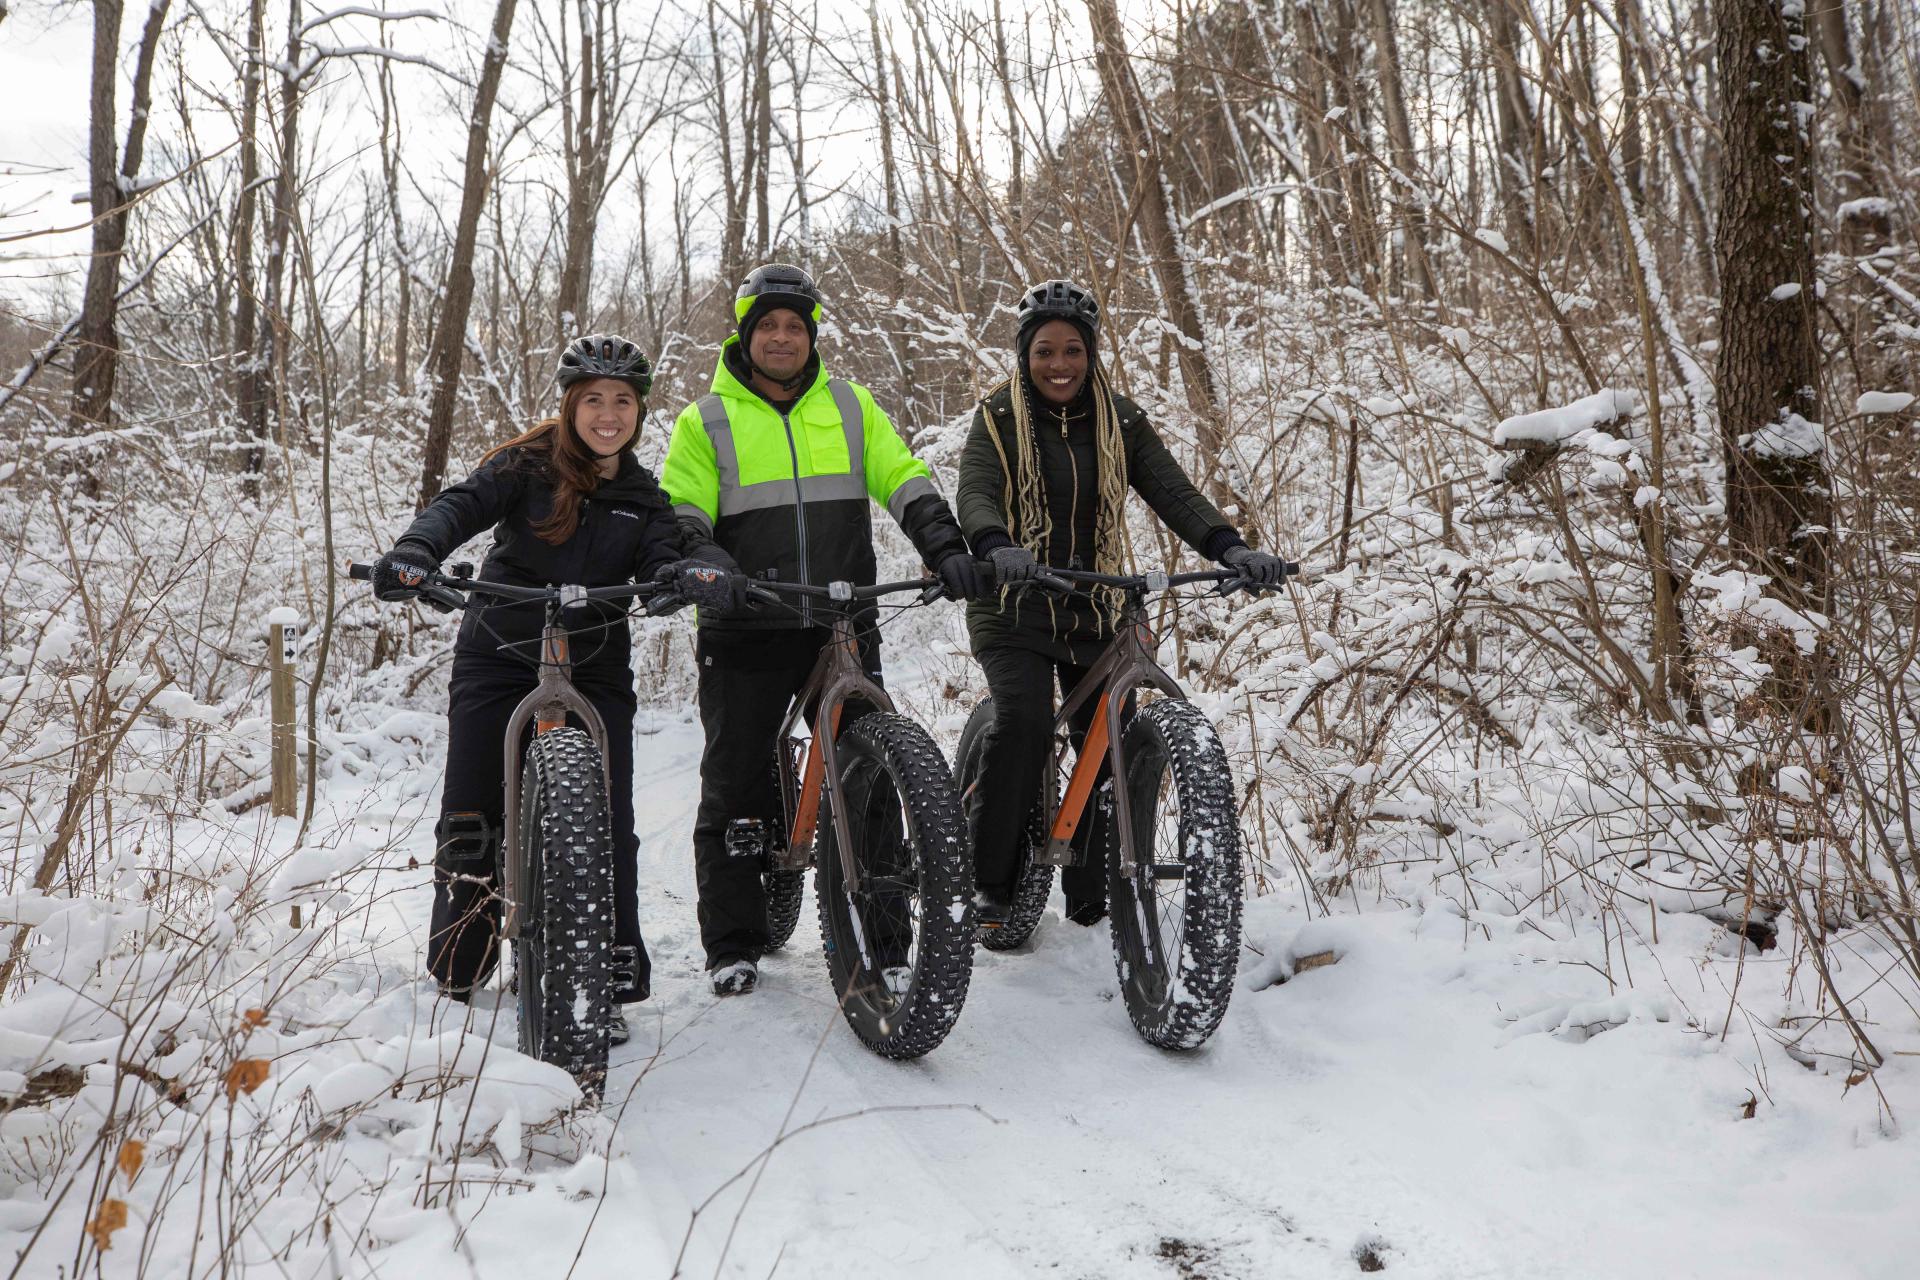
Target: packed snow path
[1393, 1108]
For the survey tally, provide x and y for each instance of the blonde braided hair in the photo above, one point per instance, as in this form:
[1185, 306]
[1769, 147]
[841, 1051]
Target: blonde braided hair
[1023, 495]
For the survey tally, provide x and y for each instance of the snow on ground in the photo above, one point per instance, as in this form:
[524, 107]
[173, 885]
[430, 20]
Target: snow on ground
[1452, 1098]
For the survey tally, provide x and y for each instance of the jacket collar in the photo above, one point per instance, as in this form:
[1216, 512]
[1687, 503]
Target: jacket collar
[730, 374]
[630, 483]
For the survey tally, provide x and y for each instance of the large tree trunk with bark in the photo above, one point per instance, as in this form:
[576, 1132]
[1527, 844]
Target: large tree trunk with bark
[96, 359]
[1778, 503]
[450, 334]
[1160, 228]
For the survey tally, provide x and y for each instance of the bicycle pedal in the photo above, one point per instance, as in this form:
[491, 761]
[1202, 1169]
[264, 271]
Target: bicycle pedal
[748, 838]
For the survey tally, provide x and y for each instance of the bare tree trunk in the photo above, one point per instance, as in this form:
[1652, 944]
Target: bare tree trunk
[1858, 172]
[1633, 149]
[1393, 104]
[248, 398]
[96, 359]
[1016, 184]
[733, 183]
[587, 146]
[1519, 172]
[403, 282]
[1160, 227]
[450, 334]
[762, 139]
[275, 337]
[1778, 502]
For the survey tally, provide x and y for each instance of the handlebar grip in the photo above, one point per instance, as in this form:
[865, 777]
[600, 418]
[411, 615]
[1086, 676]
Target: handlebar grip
[360, 572]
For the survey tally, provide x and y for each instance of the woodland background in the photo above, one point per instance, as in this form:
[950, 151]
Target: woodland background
[1572, 345]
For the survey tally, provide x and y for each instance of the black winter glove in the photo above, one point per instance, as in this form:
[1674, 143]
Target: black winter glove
[1013, 564]
[1257, 567]
[399, 574]
[962, 577]
[703, 585]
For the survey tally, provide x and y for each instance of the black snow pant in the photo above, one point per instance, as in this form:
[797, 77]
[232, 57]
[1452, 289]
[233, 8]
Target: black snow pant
[1017, 756]
[485, 688]
[748, 679]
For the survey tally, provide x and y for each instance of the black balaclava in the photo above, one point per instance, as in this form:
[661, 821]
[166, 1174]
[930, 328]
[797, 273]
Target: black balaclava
[757, 312]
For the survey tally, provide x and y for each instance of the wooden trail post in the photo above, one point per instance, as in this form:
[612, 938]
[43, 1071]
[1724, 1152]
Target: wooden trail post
[282, 627]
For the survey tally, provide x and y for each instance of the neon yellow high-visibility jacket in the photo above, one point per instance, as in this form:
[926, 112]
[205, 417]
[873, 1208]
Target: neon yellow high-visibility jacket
[785, 495]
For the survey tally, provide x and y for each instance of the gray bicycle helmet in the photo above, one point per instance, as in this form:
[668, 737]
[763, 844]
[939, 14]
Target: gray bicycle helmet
[1057, 300]
[605, 355]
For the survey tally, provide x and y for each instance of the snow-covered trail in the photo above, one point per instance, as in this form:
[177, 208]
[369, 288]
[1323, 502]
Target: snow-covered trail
[1382, 1103]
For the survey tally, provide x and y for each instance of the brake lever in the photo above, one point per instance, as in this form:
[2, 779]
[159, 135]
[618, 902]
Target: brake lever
[1053, 582]
[934, 590]
[761, 595]
[443, 599]
[662, 603]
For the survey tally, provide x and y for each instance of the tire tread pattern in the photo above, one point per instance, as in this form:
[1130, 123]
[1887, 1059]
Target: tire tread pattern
[1209, 837]
[565, 808]
[937, 831]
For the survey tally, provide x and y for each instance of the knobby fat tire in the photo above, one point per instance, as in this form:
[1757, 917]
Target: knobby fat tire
[888, 750]
[1181, 1009]
[1033, 881]
[785, 889]
[565, 949]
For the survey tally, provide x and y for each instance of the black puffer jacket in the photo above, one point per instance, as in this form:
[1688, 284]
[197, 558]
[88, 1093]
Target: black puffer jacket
[1070, 630]
[626, 533]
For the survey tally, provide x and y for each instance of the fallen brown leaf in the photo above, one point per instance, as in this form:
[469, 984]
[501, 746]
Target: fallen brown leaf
[109, 1218]
[245, 1076]
[132, 1153]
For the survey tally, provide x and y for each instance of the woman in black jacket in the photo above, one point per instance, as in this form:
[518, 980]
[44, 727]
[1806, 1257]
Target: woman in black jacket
[1043, 482]
[568, 503]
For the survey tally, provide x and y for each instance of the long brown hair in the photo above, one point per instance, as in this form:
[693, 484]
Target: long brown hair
[572, 468]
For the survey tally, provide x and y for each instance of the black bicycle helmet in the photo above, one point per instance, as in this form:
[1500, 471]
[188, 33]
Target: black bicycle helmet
[1057, 300]
[605, 355]
[776, 285]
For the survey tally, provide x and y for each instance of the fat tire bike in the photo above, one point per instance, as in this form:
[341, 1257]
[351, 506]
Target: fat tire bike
[869, 803]
[554, 866]
[1169, 833]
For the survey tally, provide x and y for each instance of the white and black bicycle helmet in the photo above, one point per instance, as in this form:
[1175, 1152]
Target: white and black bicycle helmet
[605, 355]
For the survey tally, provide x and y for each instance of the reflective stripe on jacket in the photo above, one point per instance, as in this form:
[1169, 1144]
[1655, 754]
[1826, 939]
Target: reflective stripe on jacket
[786, 495]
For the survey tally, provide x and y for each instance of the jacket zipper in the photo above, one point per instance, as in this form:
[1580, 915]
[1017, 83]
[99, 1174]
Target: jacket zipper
[799, 514]
[1073, 494]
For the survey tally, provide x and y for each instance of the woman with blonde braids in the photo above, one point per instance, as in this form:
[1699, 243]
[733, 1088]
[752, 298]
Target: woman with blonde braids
[1043, 482]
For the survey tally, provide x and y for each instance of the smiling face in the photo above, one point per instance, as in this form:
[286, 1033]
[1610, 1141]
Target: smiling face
[606, 415]
[779, 343]
[1057, 361]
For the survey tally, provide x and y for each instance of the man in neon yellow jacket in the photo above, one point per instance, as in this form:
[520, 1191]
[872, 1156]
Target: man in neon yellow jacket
[771, 473]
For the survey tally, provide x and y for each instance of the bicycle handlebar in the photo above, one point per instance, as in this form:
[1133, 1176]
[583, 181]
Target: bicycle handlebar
[442, 589]
[1231, 580]
[845, 592]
